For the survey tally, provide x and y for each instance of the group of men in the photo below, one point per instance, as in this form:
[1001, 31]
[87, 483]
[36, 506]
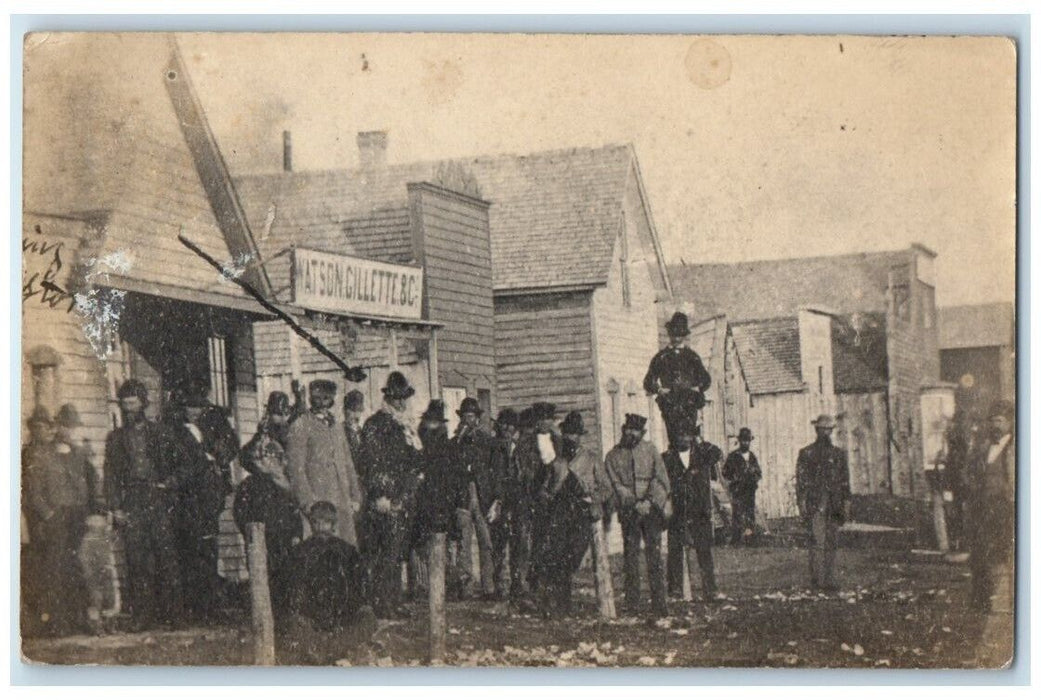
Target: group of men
[347, 504]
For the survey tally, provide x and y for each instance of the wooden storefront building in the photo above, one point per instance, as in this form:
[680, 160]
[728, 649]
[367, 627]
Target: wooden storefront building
[568, 311]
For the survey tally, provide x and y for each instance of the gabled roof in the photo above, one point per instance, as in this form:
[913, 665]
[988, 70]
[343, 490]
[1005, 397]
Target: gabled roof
[774, 288]
[769, 353]
[103, 141]
[977, 325]
[554, 215]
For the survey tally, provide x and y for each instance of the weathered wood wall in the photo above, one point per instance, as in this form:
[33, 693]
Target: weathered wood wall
[625, 321]
[544, 352]
[452, 242]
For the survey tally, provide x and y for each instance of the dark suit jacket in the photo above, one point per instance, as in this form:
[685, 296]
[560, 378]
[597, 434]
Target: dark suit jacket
[822, 480]
[742, 477]
[120, 470]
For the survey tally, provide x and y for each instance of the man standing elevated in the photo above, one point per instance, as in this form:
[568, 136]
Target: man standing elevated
[678, 378]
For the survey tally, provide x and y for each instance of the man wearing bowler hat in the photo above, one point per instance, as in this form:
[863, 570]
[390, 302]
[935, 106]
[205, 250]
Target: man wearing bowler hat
[678, 378]
[390, 447]
[742, 474]
[823, 493]
[641, 490]
[480, 501]
[505, 465]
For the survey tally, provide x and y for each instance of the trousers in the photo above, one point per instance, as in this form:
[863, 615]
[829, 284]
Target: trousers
[647, 530]
[473, 526]
[743, 503]
[153, 569]
[387, 540]
[520, 554]
[824, 537]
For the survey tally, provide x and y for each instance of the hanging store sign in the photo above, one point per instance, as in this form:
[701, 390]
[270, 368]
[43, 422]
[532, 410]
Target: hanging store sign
[342, 284]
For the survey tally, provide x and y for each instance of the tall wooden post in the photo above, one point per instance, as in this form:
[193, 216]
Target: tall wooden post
[260, 596]
[602, 572]
[436, 587]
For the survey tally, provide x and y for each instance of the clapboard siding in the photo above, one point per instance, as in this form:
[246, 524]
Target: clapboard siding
[452, 242]
[626, 340]
[544, 352]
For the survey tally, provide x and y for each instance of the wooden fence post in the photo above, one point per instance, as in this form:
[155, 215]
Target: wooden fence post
[436, 587]
[260, 597]
[602, 572]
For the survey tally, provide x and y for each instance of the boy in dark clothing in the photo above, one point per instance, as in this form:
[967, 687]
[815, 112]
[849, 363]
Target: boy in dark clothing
[328, 619]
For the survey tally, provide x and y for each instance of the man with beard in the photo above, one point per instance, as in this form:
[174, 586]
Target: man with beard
[198, 451]
[823, 492]
[678, 378]
[140, 490]
[266, 496]
[319, 463]
[480, 500]
[574, 493]
[742, 473]
[992, 522]
[392, 454]
[641, 490]
[690, 463]
[57, 489]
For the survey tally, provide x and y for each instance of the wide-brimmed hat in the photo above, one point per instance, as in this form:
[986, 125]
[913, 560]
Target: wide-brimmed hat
[132, 388]
[322, 386]
[677, 325]
[68, 417]
[573, 424]
[824, 420]
[40, 415]
[397, 387]
[542, 410]
[745, 434]
[469, 405]
[634, 421]
[435, 411]
[526, 419]
[354, 401]
[507, 416]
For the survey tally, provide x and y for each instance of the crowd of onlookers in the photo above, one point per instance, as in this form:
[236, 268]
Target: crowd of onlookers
[349, 507]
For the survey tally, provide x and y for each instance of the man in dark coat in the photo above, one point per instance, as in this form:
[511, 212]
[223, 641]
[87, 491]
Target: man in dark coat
[823, 492]
[691, 463]
[678, 378]
[641, 489]
[992, 523]
[353, 410]
[391, 453]
[575, 493]
[504, 464]
[481, 497]
[198, 456]
[140, 490]
[265, 497]
[328, 618]
[742, 474]
[537, 449]
[57, 495]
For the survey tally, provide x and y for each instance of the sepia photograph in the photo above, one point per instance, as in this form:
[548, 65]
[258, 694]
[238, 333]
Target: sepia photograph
[518, 350]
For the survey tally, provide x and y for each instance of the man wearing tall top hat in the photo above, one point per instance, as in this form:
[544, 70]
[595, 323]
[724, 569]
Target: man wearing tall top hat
[641, 490]
[678, 378]
[391, 452]
[823, 492]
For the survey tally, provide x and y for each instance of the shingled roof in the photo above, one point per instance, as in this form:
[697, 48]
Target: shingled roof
[774, 288]
[554, 216]
[769, 351]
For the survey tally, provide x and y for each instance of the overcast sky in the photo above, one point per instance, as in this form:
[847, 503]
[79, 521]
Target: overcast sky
[750, 147]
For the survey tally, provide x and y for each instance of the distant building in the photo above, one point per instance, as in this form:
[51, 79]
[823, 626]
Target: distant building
[978, 352]
[852, 334]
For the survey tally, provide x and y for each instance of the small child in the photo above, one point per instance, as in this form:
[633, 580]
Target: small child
[98, 565]
[328, 618]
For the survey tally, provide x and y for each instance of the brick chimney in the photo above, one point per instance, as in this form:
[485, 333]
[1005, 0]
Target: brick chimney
[372, 149]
